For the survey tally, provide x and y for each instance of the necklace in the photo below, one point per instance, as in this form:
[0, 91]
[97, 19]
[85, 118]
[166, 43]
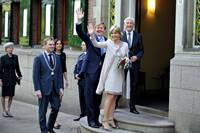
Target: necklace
[52, 69]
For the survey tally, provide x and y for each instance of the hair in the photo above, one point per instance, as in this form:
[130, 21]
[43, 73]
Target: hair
[116, 29]
[83, 42]
[8, 44]
[129, 18]
[101, 23]
[56, 40]
[44, 42]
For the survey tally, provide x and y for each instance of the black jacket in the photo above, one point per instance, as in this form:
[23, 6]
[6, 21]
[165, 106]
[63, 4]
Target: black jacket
[9, 66]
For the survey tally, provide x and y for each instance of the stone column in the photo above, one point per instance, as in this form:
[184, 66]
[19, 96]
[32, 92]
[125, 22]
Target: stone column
[59, 18]
[15, 22]
[184, 99]
[35, 22]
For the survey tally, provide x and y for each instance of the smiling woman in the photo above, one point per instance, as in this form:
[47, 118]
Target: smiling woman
[111, 79]
[115, 32]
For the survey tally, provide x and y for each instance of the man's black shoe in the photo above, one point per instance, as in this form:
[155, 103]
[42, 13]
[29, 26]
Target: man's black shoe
[51, 131]
[93, 125]
[77, 119]
[98, 124]
[134, 111]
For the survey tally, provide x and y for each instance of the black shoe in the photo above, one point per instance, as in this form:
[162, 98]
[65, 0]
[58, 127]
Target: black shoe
[51, 131]
[93, 125]
[57, 125]
[98, 123]
[133, 110]
[77, 119]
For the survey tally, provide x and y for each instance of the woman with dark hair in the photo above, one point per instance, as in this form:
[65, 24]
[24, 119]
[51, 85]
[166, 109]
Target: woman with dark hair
[59, 51]
[9, 67]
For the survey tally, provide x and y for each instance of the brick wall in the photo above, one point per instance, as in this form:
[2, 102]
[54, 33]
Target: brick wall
[91, 4]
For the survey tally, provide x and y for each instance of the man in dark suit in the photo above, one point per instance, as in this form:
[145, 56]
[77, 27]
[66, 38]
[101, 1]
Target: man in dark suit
[136, 52]
[92, 69]
[48, 84]
[81, 80]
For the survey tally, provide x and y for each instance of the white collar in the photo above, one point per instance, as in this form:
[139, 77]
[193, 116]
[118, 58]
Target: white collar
[47, 53]
[129, 32]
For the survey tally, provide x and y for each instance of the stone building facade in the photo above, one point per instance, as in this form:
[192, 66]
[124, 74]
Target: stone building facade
[170, 65]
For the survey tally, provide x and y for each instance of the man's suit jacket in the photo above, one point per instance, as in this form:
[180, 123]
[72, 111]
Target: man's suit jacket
[136, 49]
[42, 78]
[93, 59]
[79, 65]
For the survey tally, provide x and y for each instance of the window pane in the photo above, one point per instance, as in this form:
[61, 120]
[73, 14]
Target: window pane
[6, 25]
[76, 5]
[48, 20]
[25, 22]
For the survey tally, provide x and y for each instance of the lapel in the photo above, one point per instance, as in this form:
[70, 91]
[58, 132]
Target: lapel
[46, 58]
[134, 39]
[54, 58]
[125, 37]
[97, 38]
[97, 50]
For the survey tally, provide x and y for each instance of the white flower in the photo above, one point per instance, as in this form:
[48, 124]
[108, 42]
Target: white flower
[123, 63]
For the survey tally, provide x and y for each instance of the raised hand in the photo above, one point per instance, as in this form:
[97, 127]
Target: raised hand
[80, 14]
[90, 28]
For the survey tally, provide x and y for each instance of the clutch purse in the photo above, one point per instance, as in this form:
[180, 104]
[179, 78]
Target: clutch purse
[17, 80]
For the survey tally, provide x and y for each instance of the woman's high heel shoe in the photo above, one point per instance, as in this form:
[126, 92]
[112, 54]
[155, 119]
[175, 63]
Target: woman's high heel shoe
[113, 123]
[105, 126]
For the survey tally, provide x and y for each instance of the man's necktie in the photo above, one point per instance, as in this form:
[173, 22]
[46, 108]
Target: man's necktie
[101, 39]
[129, 40]
[50, 60]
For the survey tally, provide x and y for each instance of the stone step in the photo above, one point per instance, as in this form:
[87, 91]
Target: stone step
[144, 122]
[86, 129]
[151, 110]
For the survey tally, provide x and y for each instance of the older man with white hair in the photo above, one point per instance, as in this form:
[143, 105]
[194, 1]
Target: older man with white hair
[134, 40]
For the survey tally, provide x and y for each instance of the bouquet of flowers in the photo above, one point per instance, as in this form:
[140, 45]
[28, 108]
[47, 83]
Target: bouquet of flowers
[123, 63]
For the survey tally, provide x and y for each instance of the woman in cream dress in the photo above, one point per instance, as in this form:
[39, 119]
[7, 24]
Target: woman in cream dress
[112, 77]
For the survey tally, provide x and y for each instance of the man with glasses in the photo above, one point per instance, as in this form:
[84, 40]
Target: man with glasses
[48, 84]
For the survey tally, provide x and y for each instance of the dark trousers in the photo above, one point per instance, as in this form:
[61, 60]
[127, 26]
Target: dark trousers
[54, 100]
[134, 77]
[81, 89]
[93, 100]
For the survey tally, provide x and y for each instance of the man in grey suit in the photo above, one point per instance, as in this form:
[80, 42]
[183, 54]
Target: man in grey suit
[48, 84]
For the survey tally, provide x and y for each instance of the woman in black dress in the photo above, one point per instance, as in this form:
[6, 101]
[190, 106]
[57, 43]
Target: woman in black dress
[9, 66]
[59, 51]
